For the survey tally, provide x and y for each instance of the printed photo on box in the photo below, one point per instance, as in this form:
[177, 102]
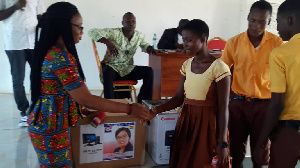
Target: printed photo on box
[91, 147]
[118, 141]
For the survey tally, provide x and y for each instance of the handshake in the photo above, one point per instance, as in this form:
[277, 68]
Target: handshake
[135, 109]
[139, 111]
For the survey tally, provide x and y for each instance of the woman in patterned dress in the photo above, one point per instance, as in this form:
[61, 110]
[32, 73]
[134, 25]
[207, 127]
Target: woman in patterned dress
[57, 87]
[201, 129]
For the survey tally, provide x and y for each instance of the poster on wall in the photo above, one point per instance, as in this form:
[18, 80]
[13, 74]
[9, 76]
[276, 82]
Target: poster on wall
[118, 141]
[91, 147]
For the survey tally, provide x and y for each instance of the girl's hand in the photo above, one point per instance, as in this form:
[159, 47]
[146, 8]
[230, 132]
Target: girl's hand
[153, 113]
[139, 111]
[223, 157]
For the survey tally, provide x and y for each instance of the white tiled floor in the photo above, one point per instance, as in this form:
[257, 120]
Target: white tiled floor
[16, 150]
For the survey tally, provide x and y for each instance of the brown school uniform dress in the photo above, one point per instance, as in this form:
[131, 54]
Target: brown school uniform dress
[195, 138]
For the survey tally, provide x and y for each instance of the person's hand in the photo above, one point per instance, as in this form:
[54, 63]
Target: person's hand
[153, 113]
[179, 46]
[223, 157]
[139, 111]
[259, 154]
[86, 112]
[20, 4]
[151, 50]
[112, 49]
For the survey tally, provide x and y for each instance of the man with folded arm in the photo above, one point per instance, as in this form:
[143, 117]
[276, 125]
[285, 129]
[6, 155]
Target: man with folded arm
[117, 64]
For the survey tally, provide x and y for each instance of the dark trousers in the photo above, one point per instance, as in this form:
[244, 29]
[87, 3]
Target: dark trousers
[139, 72]
[17, 60]
[285, 148]
[246, 119]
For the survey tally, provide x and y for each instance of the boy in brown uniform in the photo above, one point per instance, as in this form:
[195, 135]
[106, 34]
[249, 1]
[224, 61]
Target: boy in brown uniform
[284, 110]
[249, 53]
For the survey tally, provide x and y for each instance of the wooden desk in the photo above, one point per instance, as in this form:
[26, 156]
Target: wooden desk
[166, 67]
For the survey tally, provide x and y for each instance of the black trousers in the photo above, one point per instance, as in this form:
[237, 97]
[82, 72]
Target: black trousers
[139, 72]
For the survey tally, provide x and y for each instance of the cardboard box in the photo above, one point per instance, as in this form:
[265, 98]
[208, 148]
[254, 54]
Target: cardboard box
[94, 147]
[160, 132]
[153, 103]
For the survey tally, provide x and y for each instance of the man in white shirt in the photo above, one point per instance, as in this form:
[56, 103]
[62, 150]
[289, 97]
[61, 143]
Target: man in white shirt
[20, 18]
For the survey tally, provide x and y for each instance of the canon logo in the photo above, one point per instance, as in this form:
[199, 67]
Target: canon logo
[167, 119]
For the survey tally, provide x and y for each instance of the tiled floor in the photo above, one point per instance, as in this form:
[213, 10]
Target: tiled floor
[16, 150]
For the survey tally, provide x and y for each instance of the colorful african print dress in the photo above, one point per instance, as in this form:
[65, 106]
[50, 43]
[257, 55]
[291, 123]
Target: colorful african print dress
[55, 111]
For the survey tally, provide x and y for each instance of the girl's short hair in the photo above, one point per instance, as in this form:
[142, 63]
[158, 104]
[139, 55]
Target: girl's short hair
[198, 27]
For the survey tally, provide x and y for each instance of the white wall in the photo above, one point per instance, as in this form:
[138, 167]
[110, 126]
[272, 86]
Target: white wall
[245, 10]
[225, 18]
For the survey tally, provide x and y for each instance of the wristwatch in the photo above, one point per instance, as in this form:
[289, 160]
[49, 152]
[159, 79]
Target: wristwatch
[223, 144]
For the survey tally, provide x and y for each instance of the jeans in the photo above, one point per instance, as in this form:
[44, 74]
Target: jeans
[17, 60]
[139, 72]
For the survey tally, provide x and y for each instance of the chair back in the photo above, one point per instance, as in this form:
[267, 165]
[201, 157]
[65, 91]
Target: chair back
[98, 60]
[216, 43]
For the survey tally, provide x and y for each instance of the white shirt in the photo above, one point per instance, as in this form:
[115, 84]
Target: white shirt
[19, 28]
[180, 41]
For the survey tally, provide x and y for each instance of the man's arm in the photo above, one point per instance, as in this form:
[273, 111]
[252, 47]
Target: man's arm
[110, 46]
[278, 89]
[145, 46]
[275, 109]
[150, 50]
[103, 36]
[227, 57]
[6, 13]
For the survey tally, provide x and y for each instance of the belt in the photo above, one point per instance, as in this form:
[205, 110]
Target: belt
[200, 102]
[290, 123]
[247, 99]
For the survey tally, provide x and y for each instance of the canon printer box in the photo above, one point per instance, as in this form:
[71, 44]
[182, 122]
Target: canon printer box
[160, 133]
